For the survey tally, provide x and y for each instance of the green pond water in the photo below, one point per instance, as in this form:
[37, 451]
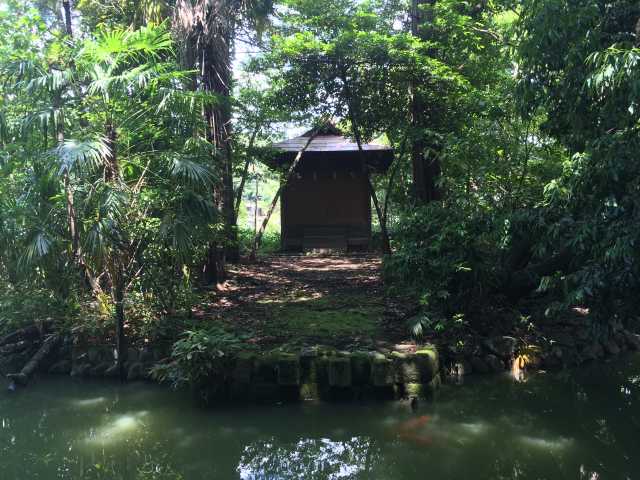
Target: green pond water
[582, 424]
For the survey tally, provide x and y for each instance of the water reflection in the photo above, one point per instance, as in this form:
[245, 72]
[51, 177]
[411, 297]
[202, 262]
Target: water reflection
[582, 424]
[118, 429]
[309, 458]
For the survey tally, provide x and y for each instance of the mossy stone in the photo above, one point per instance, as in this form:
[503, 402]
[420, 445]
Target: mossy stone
[423, 390]
[243, 368]
[308, 358]
[309, 391]
[266, 368]
[360, 368]
[81, 370]
[264, 392]
[136, 372]
[100, 369]
[132, 355]
[63, 367]
[340, 372]
[288, 368]
[428, 363]
[112, 372]
[321, 371]
[381, 370]
[94, 355]
[240, 391]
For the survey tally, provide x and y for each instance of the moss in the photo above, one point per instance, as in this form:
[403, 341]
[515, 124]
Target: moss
[423, 390]
[324, 318]
[309, 391]
[381, 371]
[428, 362]
[420, 367]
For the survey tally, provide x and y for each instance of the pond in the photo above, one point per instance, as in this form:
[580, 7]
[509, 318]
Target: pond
[577, 424]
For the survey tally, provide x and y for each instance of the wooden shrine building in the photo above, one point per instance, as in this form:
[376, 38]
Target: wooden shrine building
[326, 203]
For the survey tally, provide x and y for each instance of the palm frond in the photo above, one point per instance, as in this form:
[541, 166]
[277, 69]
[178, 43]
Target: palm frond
[85, 155]
[191, 172]
[38, 246]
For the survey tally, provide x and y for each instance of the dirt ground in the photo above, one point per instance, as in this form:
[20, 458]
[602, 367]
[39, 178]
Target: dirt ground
[308, 300]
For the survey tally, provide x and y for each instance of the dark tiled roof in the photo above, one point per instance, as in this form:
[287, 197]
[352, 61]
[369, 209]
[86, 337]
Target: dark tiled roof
[327, 143]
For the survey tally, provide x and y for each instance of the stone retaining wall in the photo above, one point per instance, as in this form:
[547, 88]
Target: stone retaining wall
[313, 373]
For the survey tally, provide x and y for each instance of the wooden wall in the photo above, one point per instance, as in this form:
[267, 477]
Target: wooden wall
[326, 208]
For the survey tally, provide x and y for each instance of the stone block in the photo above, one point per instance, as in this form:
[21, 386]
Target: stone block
[94, 355]
[420, 367]
[100, 369]
[611, 347]
[132, 355]
[242, 371]
[288, 369]
[63, 367]
[428, 362]
[146, 355]
[339, 369]
[494, 363]
[320, 372]
[265, 369]
[112, 372]
[308, 359]
[360, 368]
[264, 392]
[479, 365]
[382, 374]
[423, 390]
[503, 347]
[135, 371]
[81, 370]
[309, 391]
[633, 340]
[240, 391]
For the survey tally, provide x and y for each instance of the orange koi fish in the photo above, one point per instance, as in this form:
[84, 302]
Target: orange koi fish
[407, 431]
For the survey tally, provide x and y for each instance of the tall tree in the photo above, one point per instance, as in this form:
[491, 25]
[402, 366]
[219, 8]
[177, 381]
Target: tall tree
[425, 152]
[207, 30]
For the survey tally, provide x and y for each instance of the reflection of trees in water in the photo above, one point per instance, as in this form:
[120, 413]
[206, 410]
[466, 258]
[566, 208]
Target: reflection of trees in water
[309, 458]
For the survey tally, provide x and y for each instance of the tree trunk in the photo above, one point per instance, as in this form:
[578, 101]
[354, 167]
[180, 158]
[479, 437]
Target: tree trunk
[118, 286]
[522, 282]
[386, 245]
[394, 170]
[45, 349]
[216, 78]
[116, 261]
[31, 331]
[111, 170]
[425, 159]
[66, 5]
[245, 172]
[258, 238]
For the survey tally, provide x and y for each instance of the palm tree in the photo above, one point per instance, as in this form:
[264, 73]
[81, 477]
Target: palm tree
[206, 30]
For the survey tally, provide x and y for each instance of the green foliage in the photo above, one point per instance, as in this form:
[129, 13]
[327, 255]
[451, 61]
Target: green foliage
[270, 241]
[583, 72]
[110, 171]
[202, 353]
[447, 257]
